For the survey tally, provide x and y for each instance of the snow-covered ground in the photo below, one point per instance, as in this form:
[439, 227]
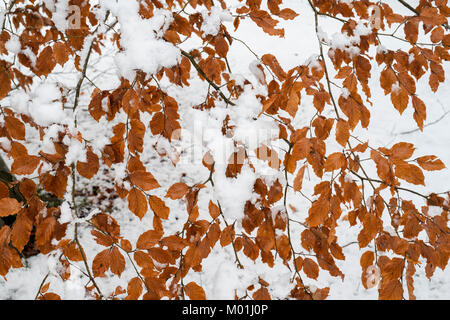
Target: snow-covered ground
[220, 276]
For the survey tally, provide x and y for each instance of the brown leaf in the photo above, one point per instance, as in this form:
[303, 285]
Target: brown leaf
[177, 191]
[437, 35]
[72, 252]
[221, 46]
[50, 296]
[283, 247]
[265, 21]
[420, 111]
[391, 290]
[102, 239]
[174, 242]
[298, 181]
[5, 83]
[89, 168]
[45, 62]
[402, 151]
[101, 263]
[335, 161]
[268, 103]
[25, 165]
[61, 53]
[412, 30]
[144, 180]
[137, 203]
[106, 223]
[287, 14]
[400, 99]
[383, 167]
[227, 235]
[321, 294]
[273, 64]
[4, 190]
[214, 211]
[126, 245]
[342, 132]
[117, 261]
[310, 268]
[27, 188]
[134, 289]
[371, 227]
[318, 212]
[15, 128]
[261, 294]
[160, 255]
[194, 291]
[136, 136]
[251, 250]
[292, 103]
[21, 231]
[9, 206]
[410, 173]
[387, 79]
[143, 260]
[157, 123]
[159, 207]
[430, 163]
[148, 239]
[367, 259]
[410, 271]
[45, 230]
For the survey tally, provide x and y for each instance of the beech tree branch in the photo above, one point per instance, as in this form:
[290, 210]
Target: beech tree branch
[85, 261]
[408, 6]
[203, 74]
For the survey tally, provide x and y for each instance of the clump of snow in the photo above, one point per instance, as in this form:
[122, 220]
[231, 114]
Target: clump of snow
[45, 107]
[5, 143]
[395, 87]
[233, 193]
[345, 93]
[50, 4]
[225, 281]
[213, 19]
[322, 35]
[141, 39]
[313, 61]
[251, 129]
[76, 151]
[345, 42]
[13, 44]
[434, 211]
[120, 172]
[73, 287]
[60, 14]
[51, 133]
[43, 104]
[257, 72]
[66, 213]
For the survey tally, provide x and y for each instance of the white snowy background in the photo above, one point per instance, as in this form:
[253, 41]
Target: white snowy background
[220, 276]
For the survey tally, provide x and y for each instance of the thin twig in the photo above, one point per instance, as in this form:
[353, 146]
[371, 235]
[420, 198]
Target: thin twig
[203, 74]
[40, 287]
